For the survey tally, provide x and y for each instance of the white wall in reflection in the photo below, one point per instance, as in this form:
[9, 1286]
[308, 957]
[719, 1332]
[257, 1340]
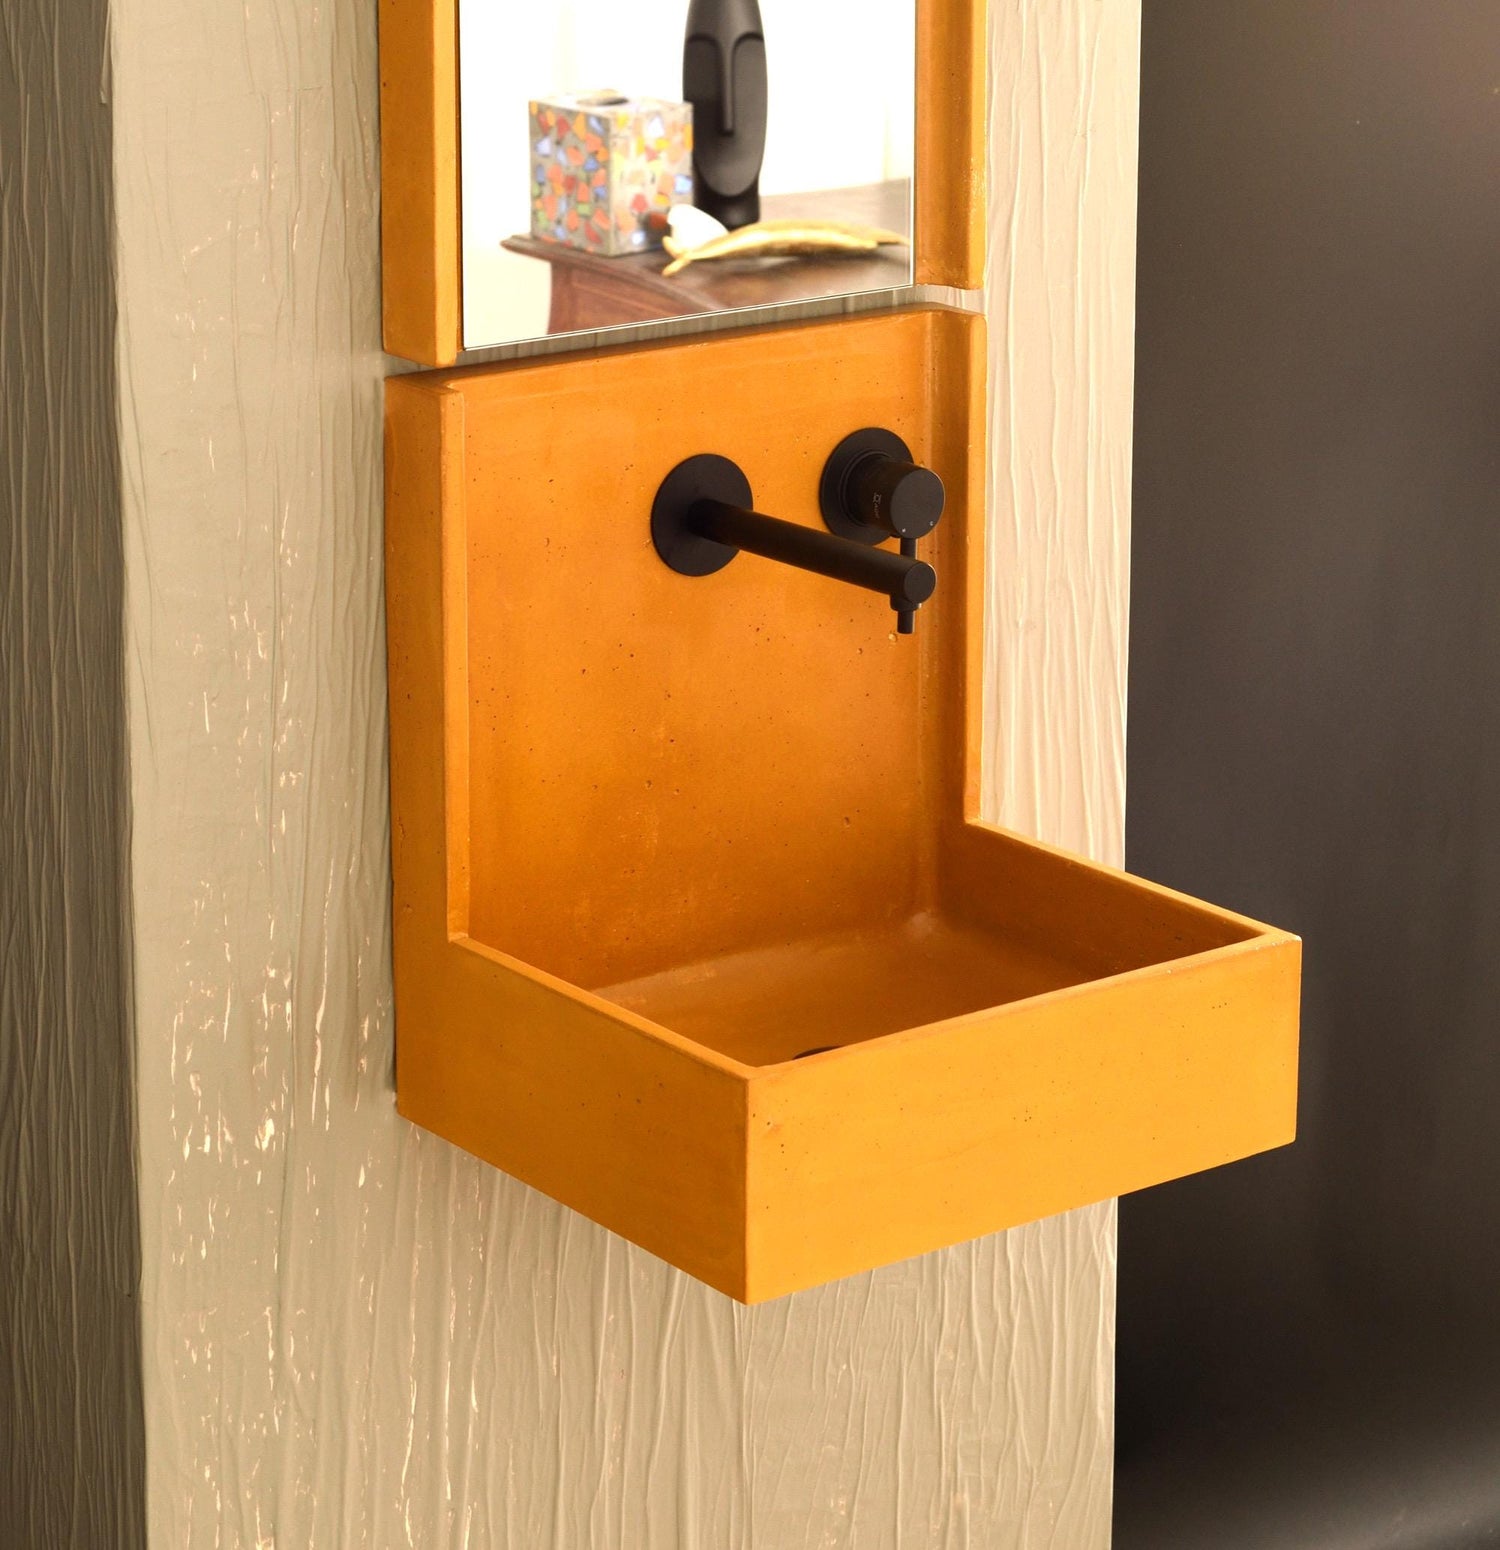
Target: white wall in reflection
[842, 111]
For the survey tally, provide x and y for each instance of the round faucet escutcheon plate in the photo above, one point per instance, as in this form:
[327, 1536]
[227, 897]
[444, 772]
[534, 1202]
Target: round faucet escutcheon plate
[706, 477]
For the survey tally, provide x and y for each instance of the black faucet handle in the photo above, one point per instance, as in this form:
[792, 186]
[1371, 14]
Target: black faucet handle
[872, 490]
[903, 500]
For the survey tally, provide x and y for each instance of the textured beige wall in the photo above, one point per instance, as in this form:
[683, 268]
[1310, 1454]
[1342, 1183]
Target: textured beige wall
[354, 1335]
[72, 1458]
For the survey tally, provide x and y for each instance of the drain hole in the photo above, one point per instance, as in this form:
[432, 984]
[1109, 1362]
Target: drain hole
[822, 1049]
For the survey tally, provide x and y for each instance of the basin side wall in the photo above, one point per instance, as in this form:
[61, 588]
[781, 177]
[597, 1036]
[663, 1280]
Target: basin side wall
[606, 1117]
[987, 1122]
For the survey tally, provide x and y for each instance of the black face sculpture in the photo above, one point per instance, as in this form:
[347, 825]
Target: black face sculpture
[724, 77]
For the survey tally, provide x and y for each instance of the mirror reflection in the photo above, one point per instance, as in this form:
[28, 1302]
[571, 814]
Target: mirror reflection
[628, 161]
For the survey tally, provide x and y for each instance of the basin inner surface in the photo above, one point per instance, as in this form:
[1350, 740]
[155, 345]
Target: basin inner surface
[771, 1004]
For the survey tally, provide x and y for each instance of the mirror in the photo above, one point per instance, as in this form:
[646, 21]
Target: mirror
[626, 163]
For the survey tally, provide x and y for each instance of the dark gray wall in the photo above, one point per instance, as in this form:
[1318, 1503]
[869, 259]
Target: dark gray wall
[71, 1429]
[1309, 1342]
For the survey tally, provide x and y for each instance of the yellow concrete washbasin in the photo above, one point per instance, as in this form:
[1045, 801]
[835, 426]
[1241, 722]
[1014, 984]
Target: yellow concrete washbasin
[695, 928]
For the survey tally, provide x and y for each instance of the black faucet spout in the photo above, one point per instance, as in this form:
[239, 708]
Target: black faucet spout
[907, 583]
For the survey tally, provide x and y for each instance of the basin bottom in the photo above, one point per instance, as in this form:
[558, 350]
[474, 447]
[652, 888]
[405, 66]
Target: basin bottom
[772, 1004]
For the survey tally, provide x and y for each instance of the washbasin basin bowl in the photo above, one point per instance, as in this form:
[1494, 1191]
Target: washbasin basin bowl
[765, 1005]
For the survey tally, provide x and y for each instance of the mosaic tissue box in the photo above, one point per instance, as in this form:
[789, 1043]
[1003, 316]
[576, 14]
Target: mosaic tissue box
[603, 165]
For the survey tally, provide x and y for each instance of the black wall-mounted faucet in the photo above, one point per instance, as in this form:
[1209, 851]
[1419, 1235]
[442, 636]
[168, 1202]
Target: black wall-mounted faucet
[703, 517]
